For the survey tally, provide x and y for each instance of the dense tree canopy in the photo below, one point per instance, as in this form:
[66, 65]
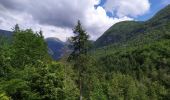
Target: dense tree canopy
[136, 70]
[28, 73]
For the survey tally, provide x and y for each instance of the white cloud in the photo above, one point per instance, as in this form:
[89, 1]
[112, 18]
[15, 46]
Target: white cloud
[57, 17]
[131, 8]
[97, 22]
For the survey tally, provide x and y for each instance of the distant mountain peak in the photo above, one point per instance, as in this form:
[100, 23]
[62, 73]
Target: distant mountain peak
[54, 39]
[55, 46]
[5, 33]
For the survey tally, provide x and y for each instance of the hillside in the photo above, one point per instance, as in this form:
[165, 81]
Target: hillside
[5, 33]
[55, 47]
[140, 50]
[127, 31]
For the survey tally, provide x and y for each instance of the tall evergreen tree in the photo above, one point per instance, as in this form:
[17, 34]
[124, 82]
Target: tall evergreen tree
[16, 28]
[79, 44]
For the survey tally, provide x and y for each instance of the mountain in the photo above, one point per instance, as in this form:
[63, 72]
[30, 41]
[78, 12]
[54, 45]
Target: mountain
[5, 33]
[119, 32]
[138, 49]
[54, 44]
[56, 47]
[128, 30]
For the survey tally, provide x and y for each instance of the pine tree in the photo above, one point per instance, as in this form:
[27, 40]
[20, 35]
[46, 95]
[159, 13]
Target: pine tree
[16, 28]
[79, 43]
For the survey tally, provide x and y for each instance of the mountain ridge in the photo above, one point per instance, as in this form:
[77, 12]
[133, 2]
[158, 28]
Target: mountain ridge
[126, 30]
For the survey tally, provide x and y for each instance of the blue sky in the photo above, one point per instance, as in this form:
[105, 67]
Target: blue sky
[155, 6]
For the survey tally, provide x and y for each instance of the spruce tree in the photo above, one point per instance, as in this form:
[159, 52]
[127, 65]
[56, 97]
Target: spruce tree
[79, 43]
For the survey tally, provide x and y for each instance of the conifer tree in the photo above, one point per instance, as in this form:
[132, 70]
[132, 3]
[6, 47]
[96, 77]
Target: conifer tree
[79, 43]
[16, 28]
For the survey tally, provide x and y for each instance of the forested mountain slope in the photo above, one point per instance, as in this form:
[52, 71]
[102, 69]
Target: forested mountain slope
[140, 50]
[127, 31]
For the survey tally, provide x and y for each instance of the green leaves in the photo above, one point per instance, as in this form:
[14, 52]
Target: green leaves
[3, 96]
[27, 72]
[28, 47]
[122, 87]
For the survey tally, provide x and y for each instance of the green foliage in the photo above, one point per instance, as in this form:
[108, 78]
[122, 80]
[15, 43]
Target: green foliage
[27, 72]
[17, 89]
[79, 43]
[5, 56]
[3, 96]
[28, 47]
[50, 82]
[122, 87]
[145, 67]
[156, 91]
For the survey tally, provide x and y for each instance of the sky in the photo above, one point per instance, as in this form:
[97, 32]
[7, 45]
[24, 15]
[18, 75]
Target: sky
[57, 18]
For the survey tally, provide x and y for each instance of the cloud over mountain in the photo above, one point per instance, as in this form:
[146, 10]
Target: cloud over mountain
[57, 17]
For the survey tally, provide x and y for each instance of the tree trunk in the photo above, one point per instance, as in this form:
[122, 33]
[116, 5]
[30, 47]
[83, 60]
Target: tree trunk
[81, 97]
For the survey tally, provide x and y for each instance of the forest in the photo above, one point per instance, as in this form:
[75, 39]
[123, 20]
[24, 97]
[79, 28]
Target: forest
[133, 68]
